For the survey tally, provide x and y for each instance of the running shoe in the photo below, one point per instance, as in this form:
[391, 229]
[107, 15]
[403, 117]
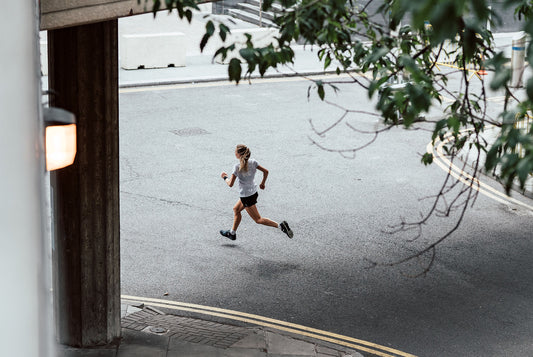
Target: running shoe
[286, 229]
[228, 234]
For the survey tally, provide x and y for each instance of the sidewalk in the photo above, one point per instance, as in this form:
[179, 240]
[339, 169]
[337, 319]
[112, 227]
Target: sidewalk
[202, 68]
[148, 332]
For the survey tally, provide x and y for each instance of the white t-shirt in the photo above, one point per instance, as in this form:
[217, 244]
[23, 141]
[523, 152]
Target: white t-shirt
[247, 185]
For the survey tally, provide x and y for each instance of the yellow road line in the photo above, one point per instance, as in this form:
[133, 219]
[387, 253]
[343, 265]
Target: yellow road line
[277, 324]
[468, 179]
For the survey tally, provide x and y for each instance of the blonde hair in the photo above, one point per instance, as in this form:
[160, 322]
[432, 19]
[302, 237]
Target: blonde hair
[244, 152]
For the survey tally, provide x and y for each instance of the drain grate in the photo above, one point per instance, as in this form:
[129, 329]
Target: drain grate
[158, 330]
[190, 132]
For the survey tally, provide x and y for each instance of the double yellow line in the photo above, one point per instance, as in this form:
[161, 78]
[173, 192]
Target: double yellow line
[337, 339]
[442, 161]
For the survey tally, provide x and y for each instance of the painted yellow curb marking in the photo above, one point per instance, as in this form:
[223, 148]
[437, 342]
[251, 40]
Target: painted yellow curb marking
[346, 341]
[466, 178]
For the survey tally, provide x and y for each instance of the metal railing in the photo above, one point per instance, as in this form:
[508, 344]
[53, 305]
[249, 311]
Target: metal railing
[448, 57]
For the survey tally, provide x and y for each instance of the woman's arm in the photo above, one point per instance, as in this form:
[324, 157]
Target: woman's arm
[265, 175]
[230, 181]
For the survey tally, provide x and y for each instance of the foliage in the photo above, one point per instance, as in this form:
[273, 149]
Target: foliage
[407, 44]
[348, 36]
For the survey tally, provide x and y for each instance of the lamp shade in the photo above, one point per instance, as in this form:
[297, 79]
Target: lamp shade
[60, 138]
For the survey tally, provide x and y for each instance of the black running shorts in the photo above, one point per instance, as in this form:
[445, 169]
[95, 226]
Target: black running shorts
[250, 200]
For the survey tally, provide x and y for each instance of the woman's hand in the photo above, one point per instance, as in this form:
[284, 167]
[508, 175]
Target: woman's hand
[223, 174]
[262, 186]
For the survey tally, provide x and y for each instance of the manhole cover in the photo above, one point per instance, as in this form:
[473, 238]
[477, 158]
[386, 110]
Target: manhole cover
[157, 330]
[190, 132]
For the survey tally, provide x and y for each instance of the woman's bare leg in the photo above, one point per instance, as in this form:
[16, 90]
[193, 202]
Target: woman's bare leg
[254, 213]
[237, 216]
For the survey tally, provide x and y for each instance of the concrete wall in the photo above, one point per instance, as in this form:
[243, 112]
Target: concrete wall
[23, 304]
[64, 13]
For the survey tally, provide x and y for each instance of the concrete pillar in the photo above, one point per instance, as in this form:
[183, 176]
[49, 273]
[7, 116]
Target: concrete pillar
[23, 329]
[83, 75]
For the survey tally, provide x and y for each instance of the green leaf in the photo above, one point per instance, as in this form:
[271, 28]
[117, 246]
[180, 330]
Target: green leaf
[529, 88]
[376, 85]
[203, 42]
[188, 15]
[524, 168]
[469, 42]
[327, 62]
[377, 54]
[438, 128]
[209, 28]
[223, 31]
[427, 158]
[209, 31]
[454, 123]
[500, 79]
[234, 70]
[267, 4]
[157, 6]
[444, 20]
[248, 54]
[223, 52]
[320, 89]
[179, 7]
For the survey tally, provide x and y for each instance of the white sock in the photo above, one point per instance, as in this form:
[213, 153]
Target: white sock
[232, 231]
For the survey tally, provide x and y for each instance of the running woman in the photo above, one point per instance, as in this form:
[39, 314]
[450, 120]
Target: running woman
[245, 171]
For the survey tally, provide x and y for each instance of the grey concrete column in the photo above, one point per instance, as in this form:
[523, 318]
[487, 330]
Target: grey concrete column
[83, 75]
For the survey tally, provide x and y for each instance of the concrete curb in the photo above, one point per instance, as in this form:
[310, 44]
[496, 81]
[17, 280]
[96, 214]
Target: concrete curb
[147, 331]
[219, 79]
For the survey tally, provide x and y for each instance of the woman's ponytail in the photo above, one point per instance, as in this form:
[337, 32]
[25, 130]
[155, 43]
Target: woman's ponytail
[244, 153]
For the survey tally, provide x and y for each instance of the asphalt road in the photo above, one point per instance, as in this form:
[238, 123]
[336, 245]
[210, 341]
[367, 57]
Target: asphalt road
[175, 142]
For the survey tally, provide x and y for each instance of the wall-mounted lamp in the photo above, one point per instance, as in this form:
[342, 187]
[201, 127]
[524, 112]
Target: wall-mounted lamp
[60, 138]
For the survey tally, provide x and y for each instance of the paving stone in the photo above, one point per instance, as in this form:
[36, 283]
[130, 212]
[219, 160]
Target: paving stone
[244, 352]
[198, 331]
[351, 354]
[195, 337]
[282, 345]
[178, 348]
[137, 326]
[131, 310]
[141, 351]
[326, 351]
[65, 351]
[153, 310]
[256, 339]
[130, 337]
